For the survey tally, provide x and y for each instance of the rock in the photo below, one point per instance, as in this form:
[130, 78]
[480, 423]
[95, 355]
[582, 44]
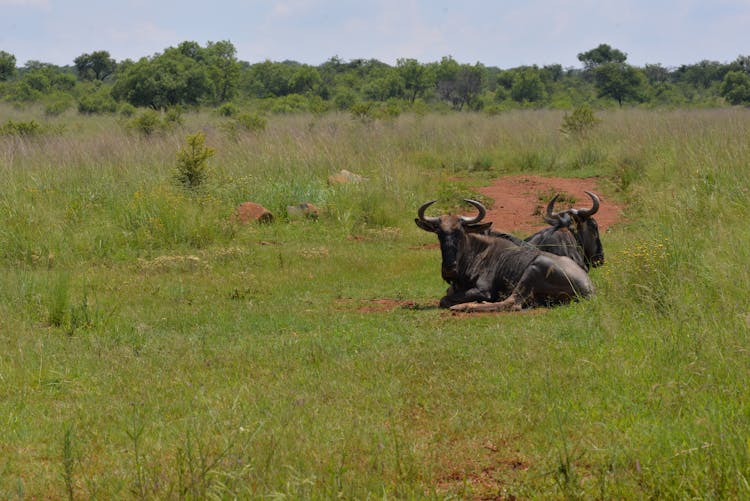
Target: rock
[248, 212]
[303, 210]
[345, 177]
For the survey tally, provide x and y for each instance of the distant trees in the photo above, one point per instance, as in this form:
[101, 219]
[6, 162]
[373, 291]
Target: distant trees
[602, 54]
[459, 84]
[736, 87]
[191, 74]
[619, 81]
[7, 65]
[186, 74]
[612, 77]
[95, 66]
[416, 78]
[528, 86]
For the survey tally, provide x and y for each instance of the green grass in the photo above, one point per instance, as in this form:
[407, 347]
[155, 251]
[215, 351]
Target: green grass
[155, 349]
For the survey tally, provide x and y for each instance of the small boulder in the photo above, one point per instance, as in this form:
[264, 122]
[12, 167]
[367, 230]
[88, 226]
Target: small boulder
[303, 210]
[345, 177]
[248, 212]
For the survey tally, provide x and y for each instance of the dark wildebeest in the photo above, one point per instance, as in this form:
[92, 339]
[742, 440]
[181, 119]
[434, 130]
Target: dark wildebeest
[487, 273]
[572, 232]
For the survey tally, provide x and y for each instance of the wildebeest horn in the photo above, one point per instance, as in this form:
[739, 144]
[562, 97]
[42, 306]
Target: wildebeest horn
[420, 213]
[479, 217]
[589, 212]
[551, 217]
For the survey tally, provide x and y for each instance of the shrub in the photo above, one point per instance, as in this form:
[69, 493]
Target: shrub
[22, 129]
[227, 110]
[580, 122]
[98, 101]
[127, 110]
[247, 122]
[151, 121]
[57, 104]
[363, 111]
[251, 122]
[191, 161]
[173, 117]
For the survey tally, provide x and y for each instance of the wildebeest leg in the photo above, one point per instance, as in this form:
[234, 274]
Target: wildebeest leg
[456, 296]
[511, 303]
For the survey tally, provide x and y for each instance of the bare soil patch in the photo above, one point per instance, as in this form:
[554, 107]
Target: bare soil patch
[378, 305]
[519, 201]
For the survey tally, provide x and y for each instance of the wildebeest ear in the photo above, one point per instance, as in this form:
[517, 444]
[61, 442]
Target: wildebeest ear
[478, 227]
[426, 225]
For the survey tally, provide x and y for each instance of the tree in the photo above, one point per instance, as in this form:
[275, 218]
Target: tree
[165, 80]
[268, 79]
[742, 63]
[95, 66]
[224, 70]
[602, 54]
[458, 83]
[7, 65]
[656, 73]
[619, 81]
[735, 87]
[383, 88]
[304, 79]
[528, 86]
[702, 74]
[415, 76]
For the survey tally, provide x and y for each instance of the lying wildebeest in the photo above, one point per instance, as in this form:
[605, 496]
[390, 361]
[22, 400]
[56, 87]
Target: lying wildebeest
[573, 233]
[487, 273]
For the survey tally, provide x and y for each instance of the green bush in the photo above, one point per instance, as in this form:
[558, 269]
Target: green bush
[191, 161]
[57, 104]
[173, 117]
[127, 110]
[251, 122]
[97, 102]
[151, 121]
[245, 122]
[227, 110]
[22, 129]
[580, 122]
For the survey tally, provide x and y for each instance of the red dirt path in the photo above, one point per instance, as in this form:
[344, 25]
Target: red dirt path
[519, 202]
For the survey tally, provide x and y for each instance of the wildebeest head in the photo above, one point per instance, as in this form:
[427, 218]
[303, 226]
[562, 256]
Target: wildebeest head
[583, 225]
[452, 233]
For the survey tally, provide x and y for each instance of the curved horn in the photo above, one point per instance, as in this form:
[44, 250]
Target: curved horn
[552, 217]
[422, 208]
[589, 212]
[479, 217]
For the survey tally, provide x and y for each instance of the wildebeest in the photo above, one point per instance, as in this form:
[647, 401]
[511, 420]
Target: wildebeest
[573, 233]
[487, 273]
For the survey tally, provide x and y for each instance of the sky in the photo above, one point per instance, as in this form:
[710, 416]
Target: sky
[502, 33]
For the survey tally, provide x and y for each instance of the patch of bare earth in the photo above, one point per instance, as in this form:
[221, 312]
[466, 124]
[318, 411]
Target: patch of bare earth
[519, 202]
[483, 476]
[378, 305]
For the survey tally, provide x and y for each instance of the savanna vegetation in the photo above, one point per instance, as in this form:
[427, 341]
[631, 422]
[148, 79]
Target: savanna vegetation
[190, 76]
[154, 348]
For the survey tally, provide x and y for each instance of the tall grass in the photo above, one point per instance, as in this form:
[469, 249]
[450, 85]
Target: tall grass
[153, 348]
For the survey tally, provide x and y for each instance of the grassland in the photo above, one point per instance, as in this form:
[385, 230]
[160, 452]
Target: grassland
[154, 349]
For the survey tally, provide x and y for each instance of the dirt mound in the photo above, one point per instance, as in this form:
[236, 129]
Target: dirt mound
[519, 201]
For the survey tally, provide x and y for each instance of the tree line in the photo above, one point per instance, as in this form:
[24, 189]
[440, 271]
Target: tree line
[193, 75]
